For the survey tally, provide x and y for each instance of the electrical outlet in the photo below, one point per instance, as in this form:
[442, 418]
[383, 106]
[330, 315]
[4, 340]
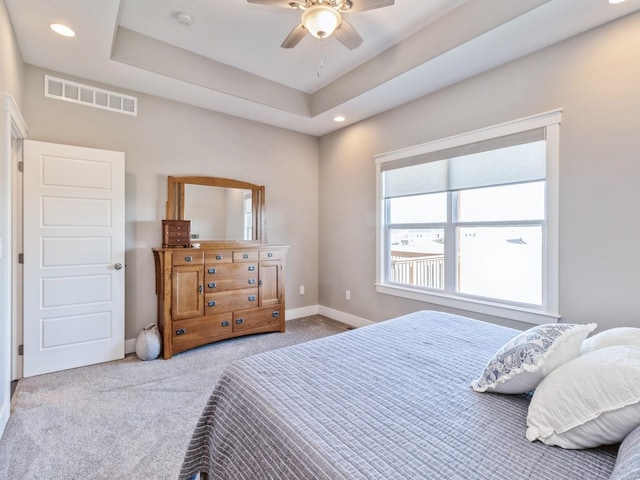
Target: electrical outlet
[301, 289]
[348, 294]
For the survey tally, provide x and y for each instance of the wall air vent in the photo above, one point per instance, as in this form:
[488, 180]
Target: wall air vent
[90, 96]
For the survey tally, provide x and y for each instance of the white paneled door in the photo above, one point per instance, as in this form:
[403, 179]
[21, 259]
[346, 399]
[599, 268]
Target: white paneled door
[73, 257]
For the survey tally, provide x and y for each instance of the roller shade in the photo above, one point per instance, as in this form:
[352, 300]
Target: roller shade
[505, 160]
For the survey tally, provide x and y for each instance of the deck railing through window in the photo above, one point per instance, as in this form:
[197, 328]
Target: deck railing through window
[418, 270]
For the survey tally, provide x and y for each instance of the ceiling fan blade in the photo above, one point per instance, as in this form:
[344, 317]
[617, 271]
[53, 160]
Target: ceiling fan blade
[272, 3]
[362, 5]
[294, 37]
[347, 35]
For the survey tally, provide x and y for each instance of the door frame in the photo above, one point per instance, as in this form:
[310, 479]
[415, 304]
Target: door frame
[13, 127]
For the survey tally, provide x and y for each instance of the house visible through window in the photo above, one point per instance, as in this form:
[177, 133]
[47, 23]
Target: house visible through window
[471, 221]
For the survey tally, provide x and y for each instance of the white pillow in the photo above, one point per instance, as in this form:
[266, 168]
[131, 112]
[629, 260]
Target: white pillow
[611, 338]
[523, 362]
[592, 400]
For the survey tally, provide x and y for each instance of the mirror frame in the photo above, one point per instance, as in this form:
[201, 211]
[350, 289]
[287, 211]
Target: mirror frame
[175, 203]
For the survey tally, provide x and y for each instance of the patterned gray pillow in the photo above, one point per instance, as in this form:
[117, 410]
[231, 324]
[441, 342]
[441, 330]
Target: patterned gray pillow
[523, 362]
[628, 461]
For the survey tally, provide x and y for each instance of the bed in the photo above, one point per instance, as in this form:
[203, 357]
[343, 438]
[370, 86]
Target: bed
[388, 401]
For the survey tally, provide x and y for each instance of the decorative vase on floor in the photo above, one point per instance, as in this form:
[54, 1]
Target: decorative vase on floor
[148, 343]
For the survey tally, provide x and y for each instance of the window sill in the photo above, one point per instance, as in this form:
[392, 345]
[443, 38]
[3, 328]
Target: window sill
[519, 314]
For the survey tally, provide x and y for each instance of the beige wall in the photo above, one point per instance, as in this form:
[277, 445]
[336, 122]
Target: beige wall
[169, 138]
[595, 78]
[11, 65]
[11, 79]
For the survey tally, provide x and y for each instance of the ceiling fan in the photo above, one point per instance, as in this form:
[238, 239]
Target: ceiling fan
[322, 18]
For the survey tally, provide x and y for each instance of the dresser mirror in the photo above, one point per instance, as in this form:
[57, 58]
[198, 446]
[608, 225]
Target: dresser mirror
[220, 209]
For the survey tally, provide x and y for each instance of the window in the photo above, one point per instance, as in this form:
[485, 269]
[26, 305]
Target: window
[248, 215]
[471, 221]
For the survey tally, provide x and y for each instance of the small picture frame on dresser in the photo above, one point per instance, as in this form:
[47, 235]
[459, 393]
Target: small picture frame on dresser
[176, 233]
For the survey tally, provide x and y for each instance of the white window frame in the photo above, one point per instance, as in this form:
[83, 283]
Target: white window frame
[248, 220]
[548, 312]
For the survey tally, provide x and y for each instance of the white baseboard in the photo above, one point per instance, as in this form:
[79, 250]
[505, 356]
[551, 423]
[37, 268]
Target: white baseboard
[328, 312]
[301, 312]
[344, 317]
[129, 346]
[352, 320]
[6, 409]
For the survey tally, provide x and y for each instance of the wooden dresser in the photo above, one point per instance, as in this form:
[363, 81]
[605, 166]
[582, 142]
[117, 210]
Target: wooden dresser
[219, 291]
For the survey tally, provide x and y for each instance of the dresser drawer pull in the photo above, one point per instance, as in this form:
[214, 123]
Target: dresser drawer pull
[245, 255]
[211, 303]
[225, 323]
[211, 284]
[269, 254]
[252, 268]
[181, 331]
[252, 298]
[218, 257]
[252, 281]
[240, 321]
[275, 314]
[211, 271]
[188, 258]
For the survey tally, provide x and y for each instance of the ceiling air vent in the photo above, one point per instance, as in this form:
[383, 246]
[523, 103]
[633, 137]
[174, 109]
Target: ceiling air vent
[90, 96]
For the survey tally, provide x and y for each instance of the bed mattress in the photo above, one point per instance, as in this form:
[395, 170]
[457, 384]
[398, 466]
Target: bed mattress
[388, 401]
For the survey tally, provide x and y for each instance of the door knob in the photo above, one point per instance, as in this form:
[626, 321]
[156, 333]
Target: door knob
[117, 266]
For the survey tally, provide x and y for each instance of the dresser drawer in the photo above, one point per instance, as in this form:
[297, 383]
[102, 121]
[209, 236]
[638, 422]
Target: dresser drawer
[187, 258]
[275, 254]
[218, 277]
[265, 318]
[230, 300]
[201, 330]
[218, 256]
[245, 256]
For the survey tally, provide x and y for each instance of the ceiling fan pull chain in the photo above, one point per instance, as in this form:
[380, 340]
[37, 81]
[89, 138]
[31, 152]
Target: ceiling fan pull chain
[321, 64]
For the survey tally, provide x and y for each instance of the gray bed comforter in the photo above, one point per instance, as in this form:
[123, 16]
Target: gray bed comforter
[388, 401]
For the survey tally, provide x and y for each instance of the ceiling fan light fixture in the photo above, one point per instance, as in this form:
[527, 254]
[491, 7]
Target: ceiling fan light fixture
[321, 20]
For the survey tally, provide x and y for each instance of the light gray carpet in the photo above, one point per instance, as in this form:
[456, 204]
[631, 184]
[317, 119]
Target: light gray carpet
[126, 419]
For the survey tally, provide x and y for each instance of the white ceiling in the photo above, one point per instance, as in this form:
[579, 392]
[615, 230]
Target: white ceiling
[229, 59]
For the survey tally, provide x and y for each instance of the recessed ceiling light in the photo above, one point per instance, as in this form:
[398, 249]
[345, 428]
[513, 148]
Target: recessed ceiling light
[62, 29]
[339, 118]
